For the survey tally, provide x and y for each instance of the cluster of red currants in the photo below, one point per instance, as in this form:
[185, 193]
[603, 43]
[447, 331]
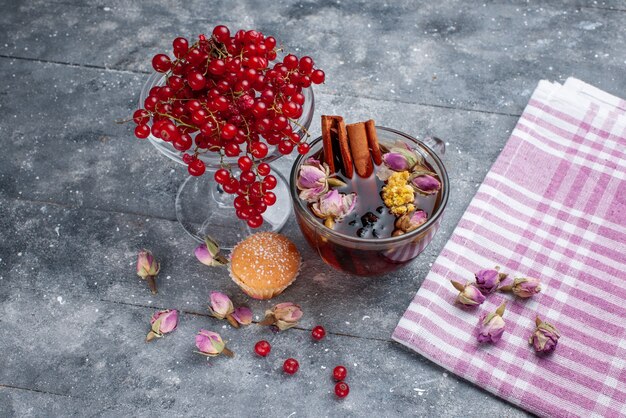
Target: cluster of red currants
[291, 365]
[222, 94]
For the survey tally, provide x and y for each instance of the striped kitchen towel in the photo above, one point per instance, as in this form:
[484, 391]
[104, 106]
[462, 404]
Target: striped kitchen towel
[553, 206]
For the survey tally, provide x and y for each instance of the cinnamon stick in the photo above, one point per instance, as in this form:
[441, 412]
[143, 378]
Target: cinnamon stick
[357, 136]
[346, 156]
[372, 141]
[327, 142]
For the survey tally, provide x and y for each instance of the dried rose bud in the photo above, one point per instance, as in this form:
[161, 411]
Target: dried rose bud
[208, 253]
[222, 308]
[545, 337]
[411, 221]
[333, 206]
[523, 287]
[243, 315]
[401, 157]
[210, 344]
[162, 322]
[425, 183]
[283, 316]
[491, 326]
[314, 180]
[469, 295]
[487, 280]
[148, 268]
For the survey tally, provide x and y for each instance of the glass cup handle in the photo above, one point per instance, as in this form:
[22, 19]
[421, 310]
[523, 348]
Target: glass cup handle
[436, 144]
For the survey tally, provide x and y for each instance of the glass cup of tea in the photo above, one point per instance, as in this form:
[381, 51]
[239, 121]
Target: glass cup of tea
[356, 247]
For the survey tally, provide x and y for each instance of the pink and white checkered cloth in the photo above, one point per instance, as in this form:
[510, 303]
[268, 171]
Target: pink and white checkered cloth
[553, 206]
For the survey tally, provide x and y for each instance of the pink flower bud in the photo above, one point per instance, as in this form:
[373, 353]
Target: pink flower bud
[426, 184]
[487, 280]
[148, 268]
[333, 206]
[312, 180]
[469, 295]
[162, 322]
[210, 344]
[526, 287]
[243, 315]
[411, 221]
[284, 315]
[545, 337]
[396, 161]
[208, 253]
[491, 326]
[221, 305]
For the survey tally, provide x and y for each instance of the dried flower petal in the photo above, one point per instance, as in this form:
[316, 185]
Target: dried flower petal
[162, 322]
[411, 221]
[491, 326]
[545, 338]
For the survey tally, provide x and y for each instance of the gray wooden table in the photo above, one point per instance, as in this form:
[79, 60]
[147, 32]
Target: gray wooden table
[79, 196]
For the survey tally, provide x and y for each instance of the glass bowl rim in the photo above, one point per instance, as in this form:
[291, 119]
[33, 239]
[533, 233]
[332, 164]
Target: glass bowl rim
[299, 206]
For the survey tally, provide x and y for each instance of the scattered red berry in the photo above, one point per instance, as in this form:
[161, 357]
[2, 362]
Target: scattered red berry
[318, 333]
[342, 389]
[262, 348]
[291, 366]
[340, 373]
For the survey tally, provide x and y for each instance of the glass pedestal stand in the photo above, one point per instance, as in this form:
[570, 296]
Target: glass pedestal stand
[203, 208]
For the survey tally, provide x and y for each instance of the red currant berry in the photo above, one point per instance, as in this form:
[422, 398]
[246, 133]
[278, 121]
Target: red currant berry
[290, 61]
[196, 168]
[306, 65]
[342, 389]
[262, 348]
[245, 163]
[196, 80]
[181, 46]
[270, 182]
[161, 63]
[260, 206]
[340, 373]
[258, 149]
[303, 148]
[221, 33]
[285, 147]
[217, 67]
[290, 109]
[318, 76]
[229, 131]
[142, 131]
[247, 177]
[141, 116]
[232, 149]
[264, 169]
[269, 198]
[232, 186]
[255, 221]
[188, 158]
[270, 42]
[291, 366]
[150, 102]
[183, 142]
[222, 176]
[318, 333]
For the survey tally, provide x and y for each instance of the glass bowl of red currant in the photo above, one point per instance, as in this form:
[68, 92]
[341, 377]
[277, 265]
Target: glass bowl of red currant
[226, 106]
